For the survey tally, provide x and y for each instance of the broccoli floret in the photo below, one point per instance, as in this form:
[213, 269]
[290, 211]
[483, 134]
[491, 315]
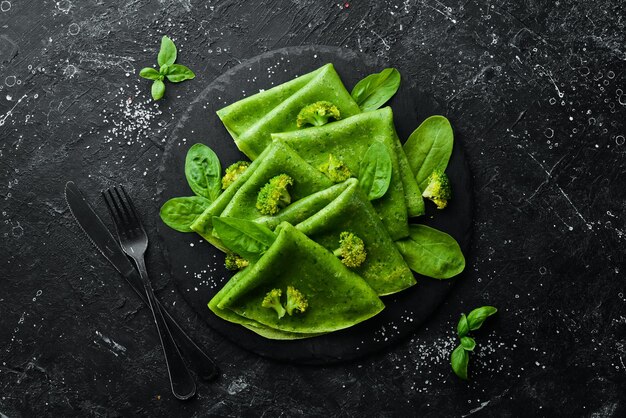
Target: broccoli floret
[438, 189]
[295, 301]
[272, 301]
[233, 172]
[336, 170]
[317, 114]
[274, 195]
[351, 250]
[235, 262]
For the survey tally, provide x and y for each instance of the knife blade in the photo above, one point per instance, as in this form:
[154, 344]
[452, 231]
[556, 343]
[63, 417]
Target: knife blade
[108, 246]
[98, 234]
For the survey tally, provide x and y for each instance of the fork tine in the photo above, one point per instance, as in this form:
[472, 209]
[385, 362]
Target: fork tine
[130, 220]
[132, 207]
[114, 209]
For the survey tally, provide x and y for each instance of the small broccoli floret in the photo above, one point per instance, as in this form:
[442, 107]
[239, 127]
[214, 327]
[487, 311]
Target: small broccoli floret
[235, 262]
[438, 189]
[317, 114]
[336, 170]
[274, 195]
[272, 301]
[351, 250]
[233, 172]
[295, 301]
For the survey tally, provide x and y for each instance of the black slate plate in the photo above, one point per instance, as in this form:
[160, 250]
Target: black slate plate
[197, 267]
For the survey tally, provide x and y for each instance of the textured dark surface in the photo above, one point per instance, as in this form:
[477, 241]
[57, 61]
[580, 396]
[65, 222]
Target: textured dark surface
[536, 90]
[197, 267]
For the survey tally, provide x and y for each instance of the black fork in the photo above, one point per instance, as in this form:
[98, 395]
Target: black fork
[134, 242]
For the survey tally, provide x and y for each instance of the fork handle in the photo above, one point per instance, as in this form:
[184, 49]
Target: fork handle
[182, 383]
[204, 366]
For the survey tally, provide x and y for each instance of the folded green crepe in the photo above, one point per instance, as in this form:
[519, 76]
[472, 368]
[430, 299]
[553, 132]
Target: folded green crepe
[337, 297]
[348, 140]
[279, 160]
[344, 207]
[250, 121]
[239, 199]
[252, 325]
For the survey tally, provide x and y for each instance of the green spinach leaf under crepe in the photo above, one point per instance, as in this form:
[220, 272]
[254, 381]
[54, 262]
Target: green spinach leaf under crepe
[348, 140]
[323, 216]
[252, 120]
[337, 297]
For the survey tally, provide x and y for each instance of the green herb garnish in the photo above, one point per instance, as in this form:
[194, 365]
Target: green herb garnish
[167, 69]
[376, 89]
[375, 171]
[459, 358]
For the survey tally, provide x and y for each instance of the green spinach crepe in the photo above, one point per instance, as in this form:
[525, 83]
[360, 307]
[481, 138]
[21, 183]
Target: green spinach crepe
[348, 140]
[323, 216]
[337, 297]
[252, 120]
[239, 199]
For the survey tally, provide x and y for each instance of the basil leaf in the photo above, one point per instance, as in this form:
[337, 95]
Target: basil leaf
[158, 89]
[246, 238]
[462, 329]
[167, 53]
[429, 148]
[431, 252]
[376, 89]
[177, 73]
[375, 171]
[180, 212]
[476, 318]
[459, 360]
[203, 171]
[149, 73]
[468, 343]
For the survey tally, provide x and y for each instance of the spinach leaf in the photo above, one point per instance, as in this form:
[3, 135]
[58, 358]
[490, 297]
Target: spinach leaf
[376, 89]
[246, 238]
[462, 328]
[203, 171]
[458, 360]
[431, 252]
[375, 171]
[429, 148]
[167, 53]
[476, 318]
[180, 212]
[177, 73]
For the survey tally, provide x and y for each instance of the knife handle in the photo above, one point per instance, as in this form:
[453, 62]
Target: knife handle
[202, 364]
[182, 383]
[204, 367]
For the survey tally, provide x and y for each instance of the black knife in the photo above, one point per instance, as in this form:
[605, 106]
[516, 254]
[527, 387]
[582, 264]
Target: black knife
[102, 239]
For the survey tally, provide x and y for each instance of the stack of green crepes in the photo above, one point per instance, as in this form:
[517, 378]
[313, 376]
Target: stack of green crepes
[339, 179]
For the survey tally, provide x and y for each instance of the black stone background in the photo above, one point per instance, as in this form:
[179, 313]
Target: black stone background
[536, 89]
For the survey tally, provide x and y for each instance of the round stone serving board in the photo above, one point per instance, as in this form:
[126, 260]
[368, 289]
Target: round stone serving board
[198, 269]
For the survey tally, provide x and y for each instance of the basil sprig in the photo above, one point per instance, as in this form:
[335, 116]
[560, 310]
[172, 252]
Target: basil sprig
[459, 359]
[375, 171]
[376, 89]
[167, 69]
